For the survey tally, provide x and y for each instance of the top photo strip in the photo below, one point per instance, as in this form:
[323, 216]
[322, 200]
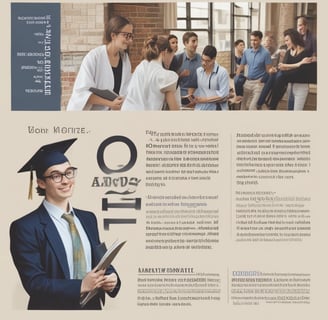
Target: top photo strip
[187, 56]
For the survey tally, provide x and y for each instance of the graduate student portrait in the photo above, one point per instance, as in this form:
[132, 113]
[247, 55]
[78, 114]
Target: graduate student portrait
[55, 248]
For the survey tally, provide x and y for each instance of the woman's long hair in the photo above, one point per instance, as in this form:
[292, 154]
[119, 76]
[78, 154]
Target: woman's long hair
[295, 37]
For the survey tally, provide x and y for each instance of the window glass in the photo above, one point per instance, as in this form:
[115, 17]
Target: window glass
[221, 26]
[195, 16]
[199, 9]
[202, 40]
[199, 24]
[182, 24]
[181, 10]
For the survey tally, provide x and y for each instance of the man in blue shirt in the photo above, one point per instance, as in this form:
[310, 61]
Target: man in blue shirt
[212, 83]
[191, 60]
[258, 61]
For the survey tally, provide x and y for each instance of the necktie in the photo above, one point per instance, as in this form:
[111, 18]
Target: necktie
[79, 261]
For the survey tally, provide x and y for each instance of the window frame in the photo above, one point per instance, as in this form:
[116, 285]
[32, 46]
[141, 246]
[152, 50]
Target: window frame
[188, 18]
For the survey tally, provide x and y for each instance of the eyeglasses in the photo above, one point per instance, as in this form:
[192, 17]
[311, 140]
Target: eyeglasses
[127, 35]
[57, 177]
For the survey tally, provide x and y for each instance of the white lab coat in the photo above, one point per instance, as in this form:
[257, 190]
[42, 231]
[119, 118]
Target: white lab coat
[96, 71]
[148, 85]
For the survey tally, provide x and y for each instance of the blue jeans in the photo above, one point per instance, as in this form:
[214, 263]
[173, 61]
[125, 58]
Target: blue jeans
[291, 100]
[278, 90]
[239, 81]
[269, 81]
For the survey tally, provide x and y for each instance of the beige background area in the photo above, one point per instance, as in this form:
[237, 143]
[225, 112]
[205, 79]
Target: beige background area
[17, 145]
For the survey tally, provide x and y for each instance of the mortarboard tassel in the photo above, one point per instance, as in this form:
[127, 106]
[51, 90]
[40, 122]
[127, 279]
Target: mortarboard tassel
[30, 190]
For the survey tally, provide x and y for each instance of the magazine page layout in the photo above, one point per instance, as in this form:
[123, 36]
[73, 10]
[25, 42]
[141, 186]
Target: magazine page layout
[163, 214]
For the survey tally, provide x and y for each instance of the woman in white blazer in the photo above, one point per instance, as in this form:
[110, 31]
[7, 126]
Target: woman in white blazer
[105, 67]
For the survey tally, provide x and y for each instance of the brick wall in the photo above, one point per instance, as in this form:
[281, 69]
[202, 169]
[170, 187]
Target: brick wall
[82, 27]
[223, 59]
[147, 19]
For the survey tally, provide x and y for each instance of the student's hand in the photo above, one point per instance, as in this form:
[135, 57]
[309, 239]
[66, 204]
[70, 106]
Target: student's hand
[282, 66]
[117, 103]
[306, 60]
[93, 279]
[184, 73]
[200, 100]
[192, 101]
[110, 282]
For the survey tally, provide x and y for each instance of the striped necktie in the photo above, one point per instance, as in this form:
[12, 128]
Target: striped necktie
[79, 260]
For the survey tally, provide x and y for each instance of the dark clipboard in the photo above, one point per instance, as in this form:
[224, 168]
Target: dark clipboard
[104, 93]
[187, 99]
[107, 256]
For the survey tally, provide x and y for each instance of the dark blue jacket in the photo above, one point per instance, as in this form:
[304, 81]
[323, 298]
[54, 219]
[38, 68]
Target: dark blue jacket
[39, 256]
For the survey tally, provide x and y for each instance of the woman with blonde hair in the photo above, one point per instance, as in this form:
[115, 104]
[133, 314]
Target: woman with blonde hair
[152, 86]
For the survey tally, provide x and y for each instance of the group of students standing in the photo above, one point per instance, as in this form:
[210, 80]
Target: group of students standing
[272, 73]
[163, 80]
[167, 80]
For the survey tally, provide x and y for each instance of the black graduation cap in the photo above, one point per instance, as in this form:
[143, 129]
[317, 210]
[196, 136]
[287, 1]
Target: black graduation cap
[47, 156]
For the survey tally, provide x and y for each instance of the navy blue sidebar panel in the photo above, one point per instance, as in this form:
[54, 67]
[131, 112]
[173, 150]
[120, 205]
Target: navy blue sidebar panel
[35, 56]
